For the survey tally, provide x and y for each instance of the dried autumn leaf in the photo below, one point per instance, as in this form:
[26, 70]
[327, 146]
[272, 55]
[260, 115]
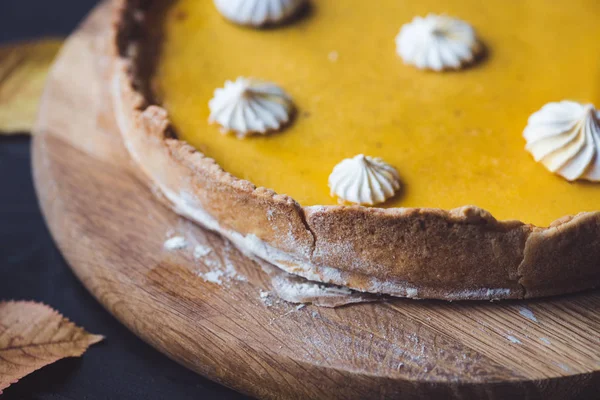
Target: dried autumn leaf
[23, 71]
[33, 335]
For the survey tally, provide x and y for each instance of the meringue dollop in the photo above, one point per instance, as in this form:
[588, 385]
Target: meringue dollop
[258, 12]
[437, 42]
[565, 137]
[363, 180]
[248, 106]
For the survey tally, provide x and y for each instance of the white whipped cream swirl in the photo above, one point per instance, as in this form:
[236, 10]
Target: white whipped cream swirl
[249, 106]
[258, 12]
[437, 42]
[565, 137]
[364, 180]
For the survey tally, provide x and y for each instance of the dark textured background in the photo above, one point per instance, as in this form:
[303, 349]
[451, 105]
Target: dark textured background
[121, 367]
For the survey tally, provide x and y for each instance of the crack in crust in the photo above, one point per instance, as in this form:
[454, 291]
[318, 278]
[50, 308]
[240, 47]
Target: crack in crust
[458, 254]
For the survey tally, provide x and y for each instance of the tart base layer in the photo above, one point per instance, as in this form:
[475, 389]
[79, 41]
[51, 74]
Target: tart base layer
[459, 254]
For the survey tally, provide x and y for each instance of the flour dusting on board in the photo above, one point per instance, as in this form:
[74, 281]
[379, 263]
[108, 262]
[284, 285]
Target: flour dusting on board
[220, 263]
[513, 339]
[265, 297]
[175, 243]
[527, 313]
[564, 367]
[213, 276]
[545, 341]
[201, 251]
[222, 270]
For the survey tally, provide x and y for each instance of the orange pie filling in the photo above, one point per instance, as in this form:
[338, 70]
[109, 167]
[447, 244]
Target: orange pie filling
[455, 138]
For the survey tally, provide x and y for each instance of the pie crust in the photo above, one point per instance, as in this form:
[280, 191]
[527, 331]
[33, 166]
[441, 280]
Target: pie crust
[460, 254]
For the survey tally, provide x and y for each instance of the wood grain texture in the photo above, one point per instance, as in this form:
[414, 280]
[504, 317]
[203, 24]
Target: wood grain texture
[112, 230]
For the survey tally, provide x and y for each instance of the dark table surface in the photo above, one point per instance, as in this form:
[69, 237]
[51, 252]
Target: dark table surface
[31, 267]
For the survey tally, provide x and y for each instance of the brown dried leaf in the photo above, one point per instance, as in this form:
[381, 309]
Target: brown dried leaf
[33, 335]
[23, 71]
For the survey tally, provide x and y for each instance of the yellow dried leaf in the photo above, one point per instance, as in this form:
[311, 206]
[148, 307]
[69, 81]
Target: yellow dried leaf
[23, 71]
[33, 335]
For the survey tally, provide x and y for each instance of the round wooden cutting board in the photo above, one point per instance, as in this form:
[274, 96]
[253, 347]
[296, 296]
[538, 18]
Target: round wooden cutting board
[208, 307]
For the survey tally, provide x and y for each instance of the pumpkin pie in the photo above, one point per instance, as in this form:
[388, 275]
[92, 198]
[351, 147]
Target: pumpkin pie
[472, 125]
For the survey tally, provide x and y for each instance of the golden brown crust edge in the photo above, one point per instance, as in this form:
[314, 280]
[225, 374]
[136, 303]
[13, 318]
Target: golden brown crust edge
[424, 253]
